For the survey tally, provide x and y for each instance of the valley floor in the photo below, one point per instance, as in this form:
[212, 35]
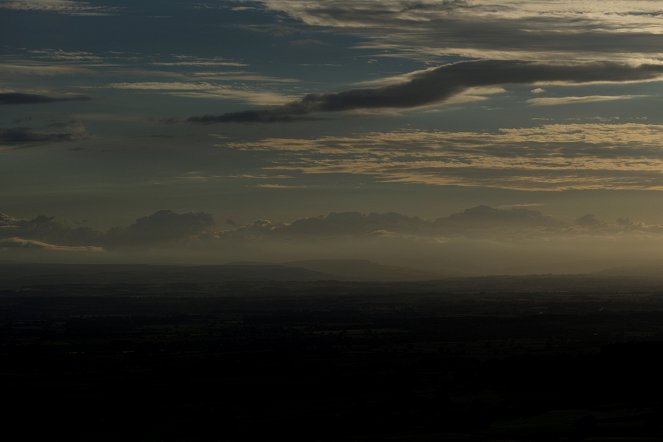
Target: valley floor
[324, 361]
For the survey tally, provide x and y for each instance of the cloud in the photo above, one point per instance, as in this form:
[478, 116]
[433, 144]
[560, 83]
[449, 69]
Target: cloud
[21, 136]
[207, 90]
[559, 101]
[166, 227]
[67, 7]
[489, 218]
[476, 222]
[16, 98]
[439, 85]
[332, 224]
[589, 221]
[41, 69]
[46, 229]
[353, 223]
[66, 56]
[285, 115]
[548, 157]
[278, 186]
[7, 221]
[242, 76]
[479, 240]
[495, 29]
[21, 243]
[472, 221]
[161, 227]
[43, 233]
[190, 60]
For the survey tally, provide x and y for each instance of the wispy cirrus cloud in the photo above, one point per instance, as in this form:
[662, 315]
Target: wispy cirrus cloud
[241, 76]
[61, 55]
[549, 157]
[22, 67]
[207, 90]
[511, 29]
[559, 101]
[184, 60]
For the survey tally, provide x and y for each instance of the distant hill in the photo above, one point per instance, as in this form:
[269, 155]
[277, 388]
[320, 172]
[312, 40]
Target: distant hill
[355, 275]
[45, 274]
[12, 274]
[362, 270]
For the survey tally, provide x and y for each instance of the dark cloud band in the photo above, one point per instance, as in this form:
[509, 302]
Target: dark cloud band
[438, 85]
[21, 136]
[16, 98]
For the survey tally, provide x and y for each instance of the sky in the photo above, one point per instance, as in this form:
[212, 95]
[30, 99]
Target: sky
[202, 132]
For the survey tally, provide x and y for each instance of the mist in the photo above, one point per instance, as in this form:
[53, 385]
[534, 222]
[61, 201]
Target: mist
[478, 241]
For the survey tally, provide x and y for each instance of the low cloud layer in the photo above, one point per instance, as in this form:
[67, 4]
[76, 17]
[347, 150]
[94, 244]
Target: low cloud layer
[161, 227]
[480, 221]
[27, 244]
[164, 227]
[438, 85]
[47, 230]
[478, 240]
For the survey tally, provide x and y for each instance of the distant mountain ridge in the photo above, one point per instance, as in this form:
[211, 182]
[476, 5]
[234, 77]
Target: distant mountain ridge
[486, 216]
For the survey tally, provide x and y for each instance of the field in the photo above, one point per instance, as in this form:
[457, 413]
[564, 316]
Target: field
[501, 359]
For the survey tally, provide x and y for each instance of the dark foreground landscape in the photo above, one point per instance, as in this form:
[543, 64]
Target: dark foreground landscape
[540, 358]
